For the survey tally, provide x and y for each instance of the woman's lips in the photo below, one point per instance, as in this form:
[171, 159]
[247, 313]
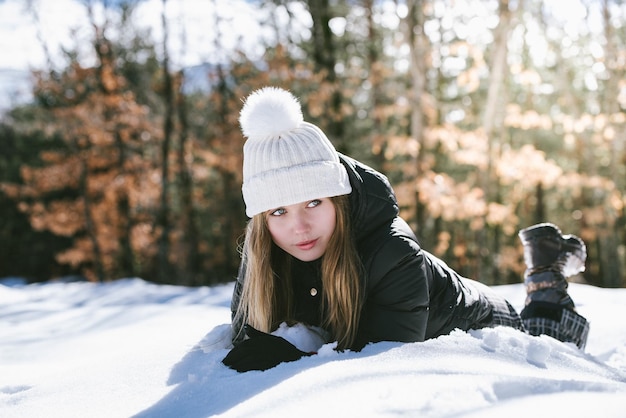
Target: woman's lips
[306, 245]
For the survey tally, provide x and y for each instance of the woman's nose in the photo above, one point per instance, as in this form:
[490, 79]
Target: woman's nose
[301, 224]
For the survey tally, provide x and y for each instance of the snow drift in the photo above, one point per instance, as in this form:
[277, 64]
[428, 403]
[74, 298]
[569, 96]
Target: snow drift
[134, 349]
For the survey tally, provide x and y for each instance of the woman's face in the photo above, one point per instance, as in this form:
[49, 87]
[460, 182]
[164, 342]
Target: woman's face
[304, 229]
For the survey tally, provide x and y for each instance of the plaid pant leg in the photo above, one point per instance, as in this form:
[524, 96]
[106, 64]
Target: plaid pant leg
[503, 313]
[563, 324]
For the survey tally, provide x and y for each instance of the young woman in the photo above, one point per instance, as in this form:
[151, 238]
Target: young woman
[325, 247]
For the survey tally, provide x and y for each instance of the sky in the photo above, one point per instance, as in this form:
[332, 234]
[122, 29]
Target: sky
[21, 45]
[130, 348]
[191, 20]
[193, 40]
[62, 24]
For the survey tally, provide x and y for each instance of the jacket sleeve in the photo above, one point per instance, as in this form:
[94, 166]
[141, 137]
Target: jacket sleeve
[397, 300]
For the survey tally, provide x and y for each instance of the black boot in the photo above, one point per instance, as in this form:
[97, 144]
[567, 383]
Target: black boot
[551, 258]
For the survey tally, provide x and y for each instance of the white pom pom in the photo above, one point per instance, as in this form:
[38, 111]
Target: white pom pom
[269, 113]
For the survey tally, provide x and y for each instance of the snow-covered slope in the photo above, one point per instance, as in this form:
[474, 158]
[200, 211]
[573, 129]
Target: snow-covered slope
[130, 348]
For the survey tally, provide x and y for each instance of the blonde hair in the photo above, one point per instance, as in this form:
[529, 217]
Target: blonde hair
[267, 294]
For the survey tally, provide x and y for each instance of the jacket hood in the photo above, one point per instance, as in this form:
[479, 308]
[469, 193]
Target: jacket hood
[373, 202]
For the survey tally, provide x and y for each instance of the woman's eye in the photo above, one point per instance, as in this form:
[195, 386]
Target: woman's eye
[278, 212]
[314, 203]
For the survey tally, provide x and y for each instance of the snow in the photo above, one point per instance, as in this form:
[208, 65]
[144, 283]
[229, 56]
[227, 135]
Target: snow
[134, 349]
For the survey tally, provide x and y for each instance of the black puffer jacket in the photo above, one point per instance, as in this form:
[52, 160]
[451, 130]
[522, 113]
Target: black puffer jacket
[410, 295]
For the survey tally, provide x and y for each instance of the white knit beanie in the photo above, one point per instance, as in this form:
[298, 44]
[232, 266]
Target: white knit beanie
[285, 159]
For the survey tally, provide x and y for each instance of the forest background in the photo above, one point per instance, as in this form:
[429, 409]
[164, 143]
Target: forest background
[487, 117]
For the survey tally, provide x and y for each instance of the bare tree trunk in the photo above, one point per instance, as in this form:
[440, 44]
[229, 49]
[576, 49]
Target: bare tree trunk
[485, 267]
[377, 139]
[323, 45]
[126, 254]
[611, 262]
[192, 265]
[89, 224]
[324, 56]
[230, 208]
[498, 68]
[540, 211]
[164, 269]
[418, 47]
[191, 268]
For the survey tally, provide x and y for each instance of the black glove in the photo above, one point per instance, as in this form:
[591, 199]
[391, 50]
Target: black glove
[261, 351]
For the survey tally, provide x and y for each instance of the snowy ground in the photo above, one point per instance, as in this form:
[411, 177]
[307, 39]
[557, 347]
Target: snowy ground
[134, 349]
